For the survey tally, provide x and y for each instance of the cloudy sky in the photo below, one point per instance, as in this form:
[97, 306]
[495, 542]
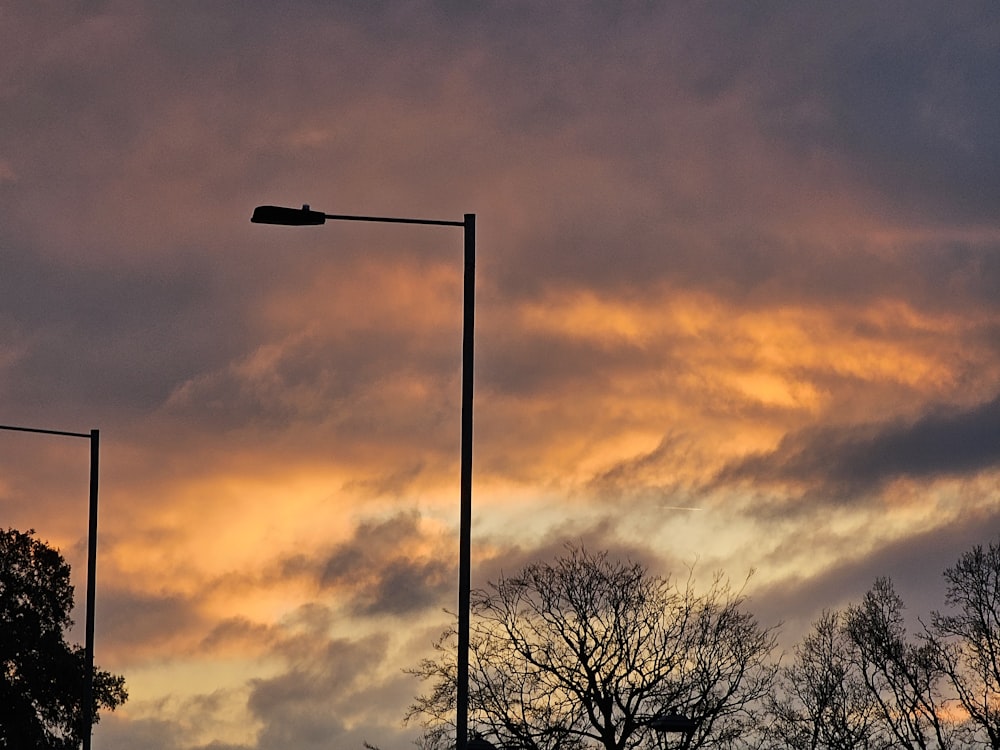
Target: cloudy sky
[737, 307]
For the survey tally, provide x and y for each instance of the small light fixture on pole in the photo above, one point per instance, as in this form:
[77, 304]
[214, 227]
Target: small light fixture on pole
[674, 723]
[307, 217]
[94, 436]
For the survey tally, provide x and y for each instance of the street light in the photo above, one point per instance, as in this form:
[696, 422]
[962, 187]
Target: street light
[94, 436]
[307, 217]
[675, 723]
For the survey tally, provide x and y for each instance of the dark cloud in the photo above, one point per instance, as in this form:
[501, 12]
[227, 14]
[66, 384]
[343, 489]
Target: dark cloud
[855, 459]
[907, 110]
[406, 586]
[117, 339]
[387, 568]
[809, 87]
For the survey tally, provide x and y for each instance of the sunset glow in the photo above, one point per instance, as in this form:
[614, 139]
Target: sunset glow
[738, 307]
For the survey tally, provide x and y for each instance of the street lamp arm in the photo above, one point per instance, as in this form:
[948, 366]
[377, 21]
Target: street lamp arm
[393, 220]
[46, 432]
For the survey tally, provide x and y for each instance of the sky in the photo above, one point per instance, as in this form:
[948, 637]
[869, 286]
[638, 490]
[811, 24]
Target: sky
[736, 308]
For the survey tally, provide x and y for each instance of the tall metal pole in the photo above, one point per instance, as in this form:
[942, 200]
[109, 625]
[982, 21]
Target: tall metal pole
[465, 523]
[88, 683]
[88, 691]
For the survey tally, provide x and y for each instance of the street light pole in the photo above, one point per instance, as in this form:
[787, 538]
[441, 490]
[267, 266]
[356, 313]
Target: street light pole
[307, 217]
[465, 521]
[88, 690]
[94, 436]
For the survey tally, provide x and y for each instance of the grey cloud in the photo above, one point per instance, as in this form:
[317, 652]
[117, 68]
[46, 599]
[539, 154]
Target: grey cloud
[326, 683]
[116, 339]
[856, 458]
[178, 724]
[956, 276]
[877, 94]
[313, 379]
[393, 483]
[381, 575]
[640, 478]
[525, 364]
[237, 630]
[911, 111]
[325, 677]
[407, 586]
[600, 535]
[132, 621]
[371, 540]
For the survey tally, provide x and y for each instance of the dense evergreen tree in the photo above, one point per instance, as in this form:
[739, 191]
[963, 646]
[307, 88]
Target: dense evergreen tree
[42, 677]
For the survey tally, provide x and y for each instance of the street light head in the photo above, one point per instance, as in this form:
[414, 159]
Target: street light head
[674, 723]
[296, 217]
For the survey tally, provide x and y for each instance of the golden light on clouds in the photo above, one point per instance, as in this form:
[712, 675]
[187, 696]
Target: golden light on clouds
[725, 262]
[370, 293]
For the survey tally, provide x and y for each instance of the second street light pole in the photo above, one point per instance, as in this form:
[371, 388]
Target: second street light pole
[307, 217]
[88, 684]
[95, 441]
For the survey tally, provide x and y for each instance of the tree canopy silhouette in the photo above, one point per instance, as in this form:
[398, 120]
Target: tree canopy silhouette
[585, 652]
[966, 639]
[41, 675]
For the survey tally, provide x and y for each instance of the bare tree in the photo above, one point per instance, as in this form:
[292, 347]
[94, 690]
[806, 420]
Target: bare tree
[903, 677]
[820, 701]
[857, 681]
[584, 652]
[967, 641]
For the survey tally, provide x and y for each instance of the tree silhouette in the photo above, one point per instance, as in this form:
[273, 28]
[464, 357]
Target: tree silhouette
[821, 701]
[857, 681]
[967, 640]
[42, 679]
[904, 677]
[584, 652]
